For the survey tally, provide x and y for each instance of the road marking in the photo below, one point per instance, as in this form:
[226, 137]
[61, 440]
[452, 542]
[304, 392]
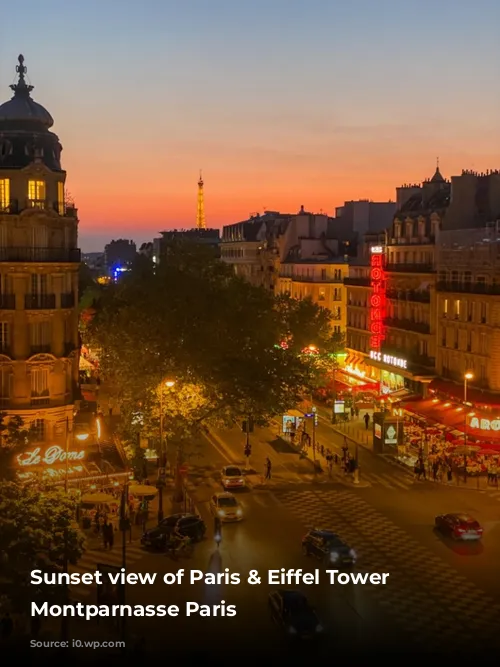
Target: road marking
[220, 446]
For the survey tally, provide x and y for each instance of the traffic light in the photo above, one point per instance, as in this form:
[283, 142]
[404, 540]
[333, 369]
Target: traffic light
[248, 450]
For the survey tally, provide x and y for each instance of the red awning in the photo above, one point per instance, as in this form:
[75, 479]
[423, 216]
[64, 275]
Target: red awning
[453, 419]
[474, 396]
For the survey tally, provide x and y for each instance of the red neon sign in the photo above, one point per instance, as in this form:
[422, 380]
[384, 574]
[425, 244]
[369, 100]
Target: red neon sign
[377, 299]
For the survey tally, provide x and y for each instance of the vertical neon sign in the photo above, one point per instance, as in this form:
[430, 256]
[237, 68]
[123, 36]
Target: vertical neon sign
[378, 298]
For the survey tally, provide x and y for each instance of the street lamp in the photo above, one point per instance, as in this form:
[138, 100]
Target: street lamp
[163, 456]
[467, 376]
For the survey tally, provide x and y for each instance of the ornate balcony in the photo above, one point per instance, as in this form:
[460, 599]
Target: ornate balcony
[7, 301]
[39, 301]
[15, 207]
[67, 300]
[467, 287]
[410, 268]
[409, 295]
[408, 325]
[28, 254]
[358, 282]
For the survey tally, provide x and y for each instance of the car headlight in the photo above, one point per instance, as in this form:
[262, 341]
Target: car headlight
[240, 481]
[334, 556]
[221, 513]
[226, 481]
[319, 628]
[353, 554]
[292, 630]
[239, 512]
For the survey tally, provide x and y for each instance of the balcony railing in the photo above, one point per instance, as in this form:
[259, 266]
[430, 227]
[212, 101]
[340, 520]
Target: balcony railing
[358, 282]
[467, 287]
[7, 301]
[39, 301]
[40, 400]
[67, 300]
[27, 254]
[15, 207]
[40, 349]
[413, 240]
[408, 325]
[311, 279]
[410, 268]
[409, 295]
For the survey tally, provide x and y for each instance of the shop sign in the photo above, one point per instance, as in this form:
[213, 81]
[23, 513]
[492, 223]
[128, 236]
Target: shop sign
[377, 298]
[485, 424]
[391, 435]
[339, 407]
[388, 359]
[52, 455]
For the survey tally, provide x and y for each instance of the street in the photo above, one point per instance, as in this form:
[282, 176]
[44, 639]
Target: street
[440, 596]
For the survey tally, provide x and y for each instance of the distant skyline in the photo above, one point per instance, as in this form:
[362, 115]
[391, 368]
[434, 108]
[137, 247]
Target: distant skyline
[281, 103]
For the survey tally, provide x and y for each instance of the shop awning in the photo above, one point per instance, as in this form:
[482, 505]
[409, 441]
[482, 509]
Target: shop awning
[475, 396]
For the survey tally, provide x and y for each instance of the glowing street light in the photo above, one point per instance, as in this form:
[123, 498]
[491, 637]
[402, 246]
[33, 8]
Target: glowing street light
[467, 376]
[82, 436]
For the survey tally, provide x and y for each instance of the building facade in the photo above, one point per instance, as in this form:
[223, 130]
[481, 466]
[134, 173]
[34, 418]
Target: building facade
[39, 261]
[468, 307]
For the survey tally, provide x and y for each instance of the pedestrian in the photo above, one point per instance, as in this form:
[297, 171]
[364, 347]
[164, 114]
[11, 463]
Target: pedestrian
[336, 458]
[108, 535]
[449, 474]
[356, 409]
[367, 420]
[110, 411]
[268, 468]
[435, 468]
[7, 626]
[352, 412]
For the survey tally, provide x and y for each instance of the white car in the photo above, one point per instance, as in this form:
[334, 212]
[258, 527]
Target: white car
[232, 478]
[226, 507]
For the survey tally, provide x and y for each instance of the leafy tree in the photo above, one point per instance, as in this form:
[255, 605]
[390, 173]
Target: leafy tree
[36, 529]
[191, 319]
[13, 436]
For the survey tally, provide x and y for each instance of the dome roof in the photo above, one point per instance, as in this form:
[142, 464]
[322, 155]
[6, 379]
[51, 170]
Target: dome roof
[21, 107]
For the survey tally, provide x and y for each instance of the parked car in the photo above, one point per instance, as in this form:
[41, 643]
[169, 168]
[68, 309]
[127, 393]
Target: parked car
[188, 525]
[328, 547]
[232, 478]
[292, 612]
[459, 526]
[226, 507]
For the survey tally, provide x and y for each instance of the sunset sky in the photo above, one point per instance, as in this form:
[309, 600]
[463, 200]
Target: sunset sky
[280, 102]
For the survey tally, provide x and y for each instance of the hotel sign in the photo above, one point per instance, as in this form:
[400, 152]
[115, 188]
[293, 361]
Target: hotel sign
[378, 297]
[485, 424]
[49, 457]
[388, 359]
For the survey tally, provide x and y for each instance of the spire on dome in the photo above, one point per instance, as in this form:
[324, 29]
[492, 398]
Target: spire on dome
[21, 86]
[437, 178]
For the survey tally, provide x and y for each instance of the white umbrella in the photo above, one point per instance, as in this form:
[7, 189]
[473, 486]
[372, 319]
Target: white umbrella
[97, 498]
[142, 490]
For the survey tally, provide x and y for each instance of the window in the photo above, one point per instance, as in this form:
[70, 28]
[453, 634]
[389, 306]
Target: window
[60, 198]
[445, 307]
[38, 284]
[4, 336]
[36, 193]
[39, 382]
[38, 428]
[5, 383]
[40, 334]
[4, 193]
[484, 313]
[457, 309]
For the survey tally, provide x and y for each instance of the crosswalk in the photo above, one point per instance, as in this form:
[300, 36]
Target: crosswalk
[92, 558]
[494, 494]
[396, 480]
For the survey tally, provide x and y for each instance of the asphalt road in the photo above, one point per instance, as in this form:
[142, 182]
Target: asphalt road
[440, 596]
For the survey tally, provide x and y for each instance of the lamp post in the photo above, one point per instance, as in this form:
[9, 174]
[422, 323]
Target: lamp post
[163, 455]
[467, 376]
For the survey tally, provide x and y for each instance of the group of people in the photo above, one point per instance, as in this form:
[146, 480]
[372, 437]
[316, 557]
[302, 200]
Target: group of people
[105, 528]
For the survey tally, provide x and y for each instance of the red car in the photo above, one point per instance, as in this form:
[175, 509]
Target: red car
[459, 526]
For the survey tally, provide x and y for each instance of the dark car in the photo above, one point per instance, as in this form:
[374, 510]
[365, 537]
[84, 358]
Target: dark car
[188, 525]
[291, 611]
[459, 526]
[328, 547]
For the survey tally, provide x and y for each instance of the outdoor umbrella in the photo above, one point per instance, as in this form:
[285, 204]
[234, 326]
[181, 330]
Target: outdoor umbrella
[97, 498]
[489, 452]
[142, 490]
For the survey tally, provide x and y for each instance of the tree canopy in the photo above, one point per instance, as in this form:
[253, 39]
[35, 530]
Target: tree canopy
[35, 526]
[232, 349]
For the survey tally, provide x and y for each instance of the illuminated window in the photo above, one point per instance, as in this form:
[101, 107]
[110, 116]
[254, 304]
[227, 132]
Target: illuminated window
[4, 193]
[60, 198]
[445, 307]
[457, 308]
[36, 193]
[38, 428]
[39, 382]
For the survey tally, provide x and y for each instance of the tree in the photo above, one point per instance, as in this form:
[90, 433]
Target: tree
[13, 436]
[36, 530]
[193, 320]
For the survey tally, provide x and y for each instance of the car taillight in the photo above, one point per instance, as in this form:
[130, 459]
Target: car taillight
[460, 530]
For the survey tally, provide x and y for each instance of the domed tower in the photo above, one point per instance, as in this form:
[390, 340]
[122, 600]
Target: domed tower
[39, 262]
